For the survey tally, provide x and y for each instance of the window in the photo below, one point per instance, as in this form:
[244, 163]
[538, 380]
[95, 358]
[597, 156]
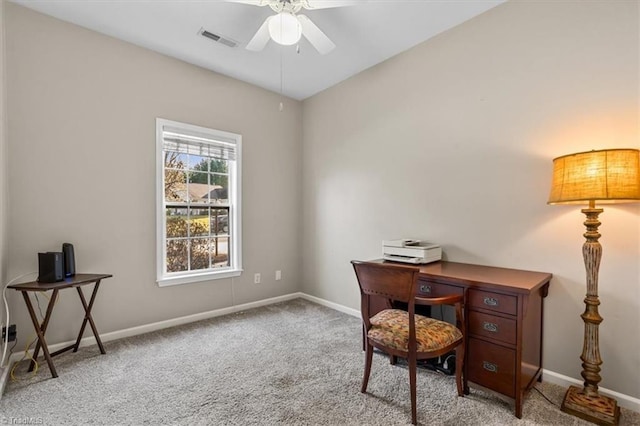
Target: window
[198, 203]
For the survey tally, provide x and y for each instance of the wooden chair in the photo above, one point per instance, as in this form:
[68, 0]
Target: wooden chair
[405, 333]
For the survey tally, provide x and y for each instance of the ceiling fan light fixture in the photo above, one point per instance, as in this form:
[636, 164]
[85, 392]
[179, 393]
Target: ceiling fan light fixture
[285, 29]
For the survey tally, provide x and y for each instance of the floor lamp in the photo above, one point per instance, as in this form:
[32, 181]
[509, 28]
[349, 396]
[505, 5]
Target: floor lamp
[608, 176]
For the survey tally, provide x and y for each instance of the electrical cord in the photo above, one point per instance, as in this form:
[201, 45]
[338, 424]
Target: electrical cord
[31, 358]
[6, 308]
[38, 303]
[545, 397]
[15, 343]
[445, 364]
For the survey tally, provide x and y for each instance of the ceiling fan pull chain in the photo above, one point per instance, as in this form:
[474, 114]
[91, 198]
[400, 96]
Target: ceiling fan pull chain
[281, 106]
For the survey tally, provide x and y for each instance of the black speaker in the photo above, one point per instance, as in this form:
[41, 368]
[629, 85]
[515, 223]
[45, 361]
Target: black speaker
[69, 260]
[50, 267]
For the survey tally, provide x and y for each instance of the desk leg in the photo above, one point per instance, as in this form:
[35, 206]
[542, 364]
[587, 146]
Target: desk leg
[40, 331]
[87, 317]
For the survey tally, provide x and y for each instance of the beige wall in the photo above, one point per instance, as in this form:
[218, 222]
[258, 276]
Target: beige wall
[452, 142]
[3, 162]
[82, 146]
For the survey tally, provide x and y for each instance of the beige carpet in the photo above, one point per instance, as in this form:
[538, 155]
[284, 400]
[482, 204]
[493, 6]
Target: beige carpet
[294, 363]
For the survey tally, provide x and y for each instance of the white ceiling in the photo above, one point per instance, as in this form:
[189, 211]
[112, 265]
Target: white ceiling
[365, 34]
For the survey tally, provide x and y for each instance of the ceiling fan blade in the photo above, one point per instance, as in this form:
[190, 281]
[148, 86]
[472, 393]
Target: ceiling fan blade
[261, 37]
[315, 36]
[325, 4]
[252, 2]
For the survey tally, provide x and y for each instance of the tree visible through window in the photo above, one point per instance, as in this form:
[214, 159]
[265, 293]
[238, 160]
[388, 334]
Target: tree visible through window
[200, 227]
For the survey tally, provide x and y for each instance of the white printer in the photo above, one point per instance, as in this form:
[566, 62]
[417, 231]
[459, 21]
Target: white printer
[411, 251]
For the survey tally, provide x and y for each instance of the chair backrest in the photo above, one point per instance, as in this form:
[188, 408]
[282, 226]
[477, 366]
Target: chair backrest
[386, 280]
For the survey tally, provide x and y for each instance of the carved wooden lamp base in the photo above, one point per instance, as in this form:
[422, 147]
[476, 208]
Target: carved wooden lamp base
[598, 409]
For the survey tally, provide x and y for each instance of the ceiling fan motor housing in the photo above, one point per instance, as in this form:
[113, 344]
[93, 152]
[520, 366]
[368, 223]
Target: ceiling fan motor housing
[291, 6]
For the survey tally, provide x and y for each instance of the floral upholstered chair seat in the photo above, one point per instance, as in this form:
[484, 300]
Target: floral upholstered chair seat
[391, 328]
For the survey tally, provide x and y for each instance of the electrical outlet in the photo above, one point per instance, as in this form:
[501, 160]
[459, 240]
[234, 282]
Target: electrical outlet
[256, 279]
[278, 275]
[12, 333]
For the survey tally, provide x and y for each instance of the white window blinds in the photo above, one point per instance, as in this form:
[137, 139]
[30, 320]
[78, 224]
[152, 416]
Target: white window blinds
[192, 142]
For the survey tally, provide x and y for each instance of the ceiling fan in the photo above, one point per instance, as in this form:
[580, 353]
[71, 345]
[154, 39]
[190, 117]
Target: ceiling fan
[287, 26]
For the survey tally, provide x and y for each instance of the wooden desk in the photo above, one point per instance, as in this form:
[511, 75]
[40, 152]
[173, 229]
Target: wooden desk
[76, 281]
[504, 316]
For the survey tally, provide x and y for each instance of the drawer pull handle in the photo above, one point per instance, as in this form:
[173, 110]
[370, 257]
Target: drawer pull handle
[491, 301]
[425, 289]
[489, 326]
[489, 366]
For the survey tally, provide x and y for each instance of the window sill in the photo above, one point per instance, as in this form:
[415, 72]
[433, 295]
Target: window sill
[195, 278]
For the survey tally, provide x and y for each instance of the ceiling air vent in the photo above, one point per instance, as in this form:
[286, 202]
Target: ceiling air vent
[218, 38]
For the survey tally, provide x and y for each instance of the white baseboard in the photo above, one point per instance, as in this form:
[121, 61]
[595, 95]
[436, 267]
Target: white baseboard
[335, 306]
[625, 401]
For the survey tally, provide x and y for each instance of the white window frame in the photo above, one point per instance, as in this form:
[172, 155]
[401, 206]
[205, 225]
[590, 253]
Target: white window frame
[235, 211]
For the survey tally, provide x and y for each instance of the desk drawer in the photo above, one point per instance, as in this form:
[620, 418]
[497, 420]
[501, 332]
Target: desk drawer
[492, 366]
[493, 301]
[493, 327]
[433, 289]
